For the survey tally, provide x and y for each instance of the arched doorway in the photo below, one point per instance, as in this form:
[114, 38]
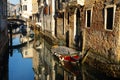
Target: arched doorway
[77, 30]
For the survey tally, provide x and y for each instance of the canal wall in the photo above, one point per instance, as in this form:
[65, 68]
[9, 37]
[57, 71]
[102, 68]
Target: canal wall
[103, 65]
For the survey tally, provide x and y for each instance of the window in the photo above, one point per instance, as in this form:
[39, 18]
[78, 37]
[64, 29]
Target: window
[63, 0]
[63, 23]
[50, 9]
[25, 7]
[109, 17]
[88, 18]
[68, 20]
[46, 10]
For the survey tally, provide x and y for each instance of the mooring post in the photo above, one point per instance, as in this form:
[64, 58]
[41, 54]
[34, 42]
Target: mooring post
[10, 35]
[11, 39]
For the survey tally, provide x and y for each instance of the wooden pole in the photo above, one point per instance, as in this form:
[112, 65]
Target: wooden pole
[11, 39]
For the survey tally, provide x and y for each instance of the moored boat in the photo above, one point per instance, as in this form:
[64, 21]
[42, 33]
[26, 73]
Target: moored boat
[65, 54]
[68, 58]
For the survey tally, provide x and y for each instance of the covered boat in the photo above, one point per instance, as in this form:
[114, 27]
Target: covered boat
[66, 54]
[68, 58]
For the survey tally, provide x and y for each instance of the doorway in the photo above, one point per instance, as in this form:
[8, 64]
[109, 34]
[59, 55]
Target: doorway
[78, 39]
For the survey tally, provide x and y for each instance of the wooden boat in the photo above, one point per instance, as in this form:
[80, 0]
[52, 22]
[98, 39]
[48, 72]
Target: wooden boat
[66, 54]
[68, 58]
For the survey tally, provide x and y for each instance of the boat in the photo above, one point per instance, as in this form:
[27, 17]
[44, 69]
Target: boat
[65, 54]
[68, 58]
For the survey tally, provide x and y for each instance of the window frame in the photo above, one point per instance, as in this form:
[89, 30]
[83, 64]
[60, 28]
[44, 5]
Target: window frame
[105, 16]
[24, 7]
[86, 18]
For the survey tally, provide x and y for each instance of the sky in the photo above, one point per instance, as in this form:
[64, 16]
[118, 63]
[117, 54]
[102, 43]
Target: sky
[14, 1]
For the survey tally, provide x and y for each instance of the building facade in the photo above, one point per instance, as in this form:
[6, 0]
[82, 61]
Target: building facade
[35, 16]
[26, 9]
[3, 24]
[17, 10]
[100, 27]
[100, 23]
[3, 38]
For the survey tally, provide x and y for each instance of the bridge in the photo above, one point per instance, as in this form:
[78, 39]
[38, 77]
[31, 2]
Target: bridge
[15, 22]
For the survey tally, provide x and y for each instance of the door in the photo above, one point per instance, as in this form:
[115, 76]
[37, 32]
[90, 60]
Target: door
[77, 30]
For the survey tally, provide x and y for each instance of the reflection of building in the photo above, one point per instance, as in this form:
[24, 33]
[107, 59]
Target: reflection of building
[27, 52]
[3, 39]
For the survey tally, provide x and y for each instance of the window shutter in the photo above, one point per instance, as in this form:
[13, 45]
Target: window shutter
[50, 9]
[46, 10]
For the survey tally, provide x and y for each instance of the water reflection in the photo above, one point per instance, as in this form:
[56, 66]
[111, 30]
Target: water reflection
[46, 67]
[16, 41]
[19, 67]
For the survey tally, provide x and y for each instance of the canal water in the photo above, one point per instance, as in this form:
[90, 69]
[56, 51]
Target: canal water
[19, 68]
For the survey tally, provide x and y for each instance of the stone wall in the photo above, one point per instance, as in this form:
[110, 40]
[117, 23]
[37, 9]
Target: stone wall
[63, 29]
[60, 28]
[103, 42]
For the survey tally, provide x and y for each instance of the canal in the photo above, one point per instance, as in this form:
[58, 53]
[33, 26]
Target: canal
[19, 68]
[43, 67]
